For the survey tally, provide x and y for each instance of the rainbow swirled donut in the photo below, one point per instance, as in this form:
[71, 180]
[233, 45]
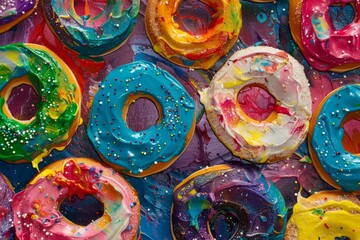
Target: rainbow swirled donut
[325, 215]
[14, 11]
[324, 47]
[151, 150]
[98, 31]
[335, 164]
[191, 50]
[238, 197]
[37, 214]
[286, 127]
[58, 114]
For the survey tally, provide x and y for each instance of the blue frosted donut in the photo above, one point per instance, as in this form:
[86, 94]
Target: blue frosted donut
[152, 150]
[225, 202]
[335, 165]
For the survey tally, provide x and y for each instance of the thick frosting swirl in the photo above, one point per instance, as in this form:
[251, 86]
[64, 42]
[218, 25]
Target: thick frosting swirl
[325, 215]
[14, 11]
[144, 152]
[94, 33]
[188, 49]
[335, 165]
[238, 197]
[36, 208]
[58, 112]
[281, 133]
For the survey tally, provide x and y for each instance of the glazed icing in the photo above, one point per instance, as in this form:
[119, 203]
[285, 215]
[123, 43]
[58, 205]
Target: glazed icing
[136, 152]
[327, 130]
[328, 219]
[240, 193]
[187, 49]
[36, 207]
[13, 11]
[325, 47]
[58, 106]
[92, 35]
[6, 213]
[282, 132]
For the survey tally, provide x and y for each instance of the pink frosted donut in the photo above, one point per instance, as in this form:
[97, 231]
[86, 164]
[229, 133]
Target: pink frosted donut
[37, 207]
[6, 214]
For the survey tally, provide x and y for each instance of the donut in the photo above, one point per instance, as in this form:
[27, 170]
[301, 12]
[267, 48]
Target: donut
[140, 153]
[58, 112]
[280, 134]
[6, 213]
[91, 29]
[324, 47]
[187, 49]
[335, 164]
[229, 203]
[14, 11]
[325, 215]
[37, 207]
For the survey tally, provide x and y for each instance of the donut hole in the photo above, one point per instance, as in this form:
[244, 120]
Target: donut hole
[194, 17]
[351, 138]
[256, 102]
[229, 222]
[279, 225]
[341, 15]
[82, 211]
[142, 114]
[22, 102]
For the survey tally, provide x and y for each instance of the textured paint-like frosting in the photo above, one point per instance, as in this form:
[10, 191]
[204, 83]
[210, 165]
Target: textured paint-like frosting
[58, 107]
[282, 132]
[193, 50]
[324, 46]
[240, 191]
[92, 35]
[13, 11]
[138, 151]
[36, 208]
[6, 213]
[342, 166]
[318, 217]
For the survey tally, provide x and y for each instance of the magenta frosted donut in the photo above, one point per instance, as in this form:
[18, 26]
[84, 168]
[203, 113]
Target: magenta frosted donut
[14, 11]
[6, 214]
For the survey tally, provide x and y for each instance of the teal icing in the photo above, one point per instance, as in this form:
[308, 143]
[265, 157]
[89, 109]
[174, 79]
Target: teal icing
[137, 151]
[343, 167]
[196, 206]
[91, 40]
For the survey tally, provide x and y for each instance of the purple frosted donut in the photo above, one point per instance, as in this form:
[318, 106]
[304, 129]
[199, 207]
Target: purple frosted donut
[14, 11]
[6, 214]
[224, 202]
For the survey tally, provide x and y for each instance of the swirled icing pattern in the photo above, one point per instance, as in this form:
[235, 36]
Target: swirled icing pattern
[37, 206]
[92, 35]
[137, 151]
[237, 201]
[342, 166]
[58, 107]
[6, 213]
[282, 132]
[326, 215]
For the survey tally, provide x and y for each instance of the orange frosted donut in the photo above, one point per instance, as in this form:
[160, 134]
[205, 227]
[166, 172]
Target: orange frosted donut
[37, 207]
[187, 49]
[280, 134]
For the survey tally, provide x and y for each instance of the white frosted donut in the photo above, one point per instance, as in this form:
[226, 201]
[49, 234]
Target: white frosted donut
[284, 129]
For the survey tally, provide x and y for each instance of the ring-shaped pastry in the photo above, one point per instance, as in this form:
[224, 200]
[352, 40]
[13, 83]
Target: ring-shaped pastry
[324, 47]
[237, 200]
[190, 50]
[36, 208]
[325, 215]
[94, 33]
[336, 165]
[58, 114]
[140, 153]
[14, 11]
[276, 137]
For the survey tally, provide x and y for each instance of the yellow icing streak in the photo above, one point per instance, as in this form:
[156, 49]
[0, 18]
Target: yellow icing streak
[326, 221]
